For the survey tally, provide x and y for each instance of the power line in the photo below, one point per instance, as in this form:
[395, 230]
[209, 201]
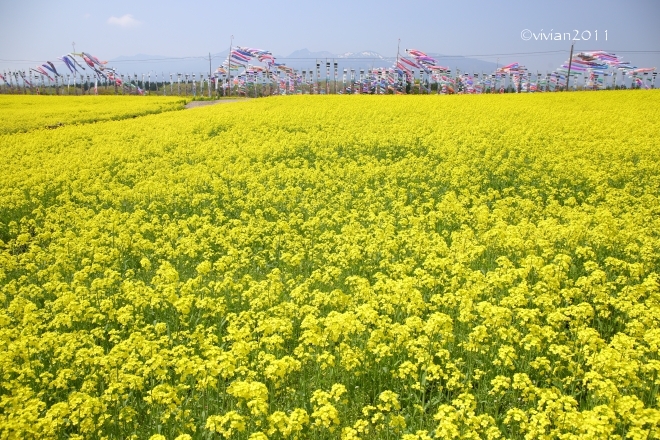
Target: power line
[502, 54]
[355, 58]
[125, 61]
[624, 51]
[23, 61]
[162, 59]
[360, 58]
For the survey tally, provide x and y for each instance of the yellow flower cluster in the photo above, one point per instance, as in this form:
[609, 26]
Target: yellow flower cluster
[23, 113]
[328, 267]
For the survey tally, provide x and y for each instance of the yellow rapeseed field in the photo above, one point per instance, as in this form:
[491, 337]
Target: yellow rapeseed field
[23, 113]
[333, 267]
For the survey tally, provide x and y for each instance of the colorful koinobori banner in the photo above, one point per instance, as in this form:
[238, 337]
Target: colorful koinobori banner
[78, 68]
[417, 71]
[255, 72]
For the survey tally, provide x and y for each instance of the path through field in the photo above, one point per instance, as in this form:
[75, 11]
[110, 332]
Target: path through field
[194, 104]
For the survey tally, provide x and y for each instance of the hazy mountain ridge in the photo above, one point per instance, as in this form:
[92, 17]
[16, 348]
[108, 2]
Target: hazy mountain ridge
[364, 54]
[301, 59]
[307, 54]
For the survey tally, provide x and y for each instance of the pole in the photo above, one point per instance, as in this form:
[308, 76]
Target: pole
[352, 81]
[398, 47]
[570, 62]
[231, 42]
[335, 63]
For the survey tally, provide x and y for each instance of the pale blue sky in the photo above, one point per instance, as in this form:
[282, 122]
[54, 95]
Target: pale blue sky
[38, 30]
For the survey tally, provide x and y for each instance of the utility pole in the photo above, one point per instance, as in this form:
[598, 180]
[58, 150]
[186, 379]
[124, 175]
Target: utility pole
[231, 42]
[209, 65]
[570, 62]
[398, 46]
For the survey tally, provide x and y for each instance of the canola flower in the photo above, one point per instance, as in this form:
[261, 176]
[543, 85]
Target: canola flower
[337, 267]
[24, 113]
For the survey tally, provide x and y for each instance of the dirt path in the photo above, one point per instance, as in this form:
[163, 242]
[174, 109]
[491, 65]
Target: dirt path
[194, 104]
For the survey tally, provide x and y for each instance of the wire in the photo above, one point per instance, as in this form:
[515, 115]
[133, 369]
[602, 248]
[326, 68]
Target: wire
[502, 54]
[23, 61]
[624, 51]
[357, 58]
[348, 58]
[162, 59]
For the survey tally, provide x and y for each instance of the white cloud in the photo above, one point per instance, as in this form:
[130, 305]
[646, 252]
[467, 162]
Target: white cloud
[125, 20]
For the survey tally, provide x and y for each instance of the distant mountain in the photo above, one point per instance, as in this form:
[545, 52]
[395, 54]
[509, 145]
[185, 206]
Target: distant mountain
[305, 59]
[307, 54]
[471, 65]
[302, 59]
[159, 64]
[365, 54]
